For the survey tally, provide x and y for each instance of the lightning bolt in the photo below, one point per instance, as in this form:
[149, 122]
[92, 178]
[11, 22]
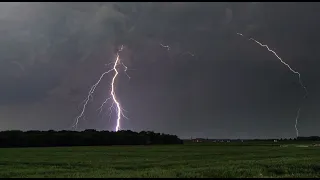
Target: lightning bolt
[292, 70]
[112, 96]
[165, 46]
[181, 54]
[296, 124]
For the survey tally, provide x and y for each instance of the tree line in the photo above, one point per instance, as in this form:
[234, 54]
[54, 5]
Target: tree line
[309, 138]
[90, 137]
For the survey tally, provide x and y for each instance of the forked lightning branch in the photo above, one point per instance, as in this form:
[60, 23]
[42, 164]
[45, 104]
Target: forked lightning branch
[113, 97]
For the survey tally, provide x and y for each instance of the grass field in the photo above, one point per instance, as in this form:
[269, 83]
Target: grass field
[189, 160]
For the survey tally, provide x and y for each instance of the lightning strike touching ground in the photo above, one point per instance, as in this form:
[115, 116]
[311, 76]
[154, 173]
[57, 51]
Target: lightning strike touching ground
[112, 97]
[296, 124]
[295, 72]
[113, 94]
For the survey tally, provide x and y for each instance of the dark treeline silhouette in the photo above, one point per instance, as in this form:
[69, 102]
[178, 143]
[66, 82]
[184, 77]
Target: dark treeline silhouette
[85, 138]
[310, 138]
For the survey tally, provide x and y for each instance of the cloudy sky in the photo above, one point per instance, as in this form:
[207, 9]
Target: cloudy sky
[52, 53]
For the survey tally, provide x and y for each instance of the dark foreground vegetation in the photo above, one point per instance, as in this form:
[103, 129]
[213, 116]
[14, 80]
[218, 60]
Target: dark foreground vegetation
[84, 138]
[191, 160]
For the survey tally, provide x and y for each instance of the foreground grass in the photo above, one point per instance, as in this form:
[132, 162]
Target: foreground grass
[190, 160]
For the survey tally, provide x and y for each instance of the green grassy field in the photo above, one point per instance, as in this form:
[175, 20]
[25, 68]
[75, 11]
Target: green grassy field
[189, 160]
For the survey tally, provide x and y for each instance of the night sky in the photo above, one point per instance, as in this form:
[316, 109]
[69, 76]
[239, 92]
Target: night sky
[52, 53]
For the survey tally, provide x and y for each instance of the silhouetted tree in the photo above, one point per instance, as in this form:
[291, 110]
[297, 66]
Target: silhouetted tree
[89, 137]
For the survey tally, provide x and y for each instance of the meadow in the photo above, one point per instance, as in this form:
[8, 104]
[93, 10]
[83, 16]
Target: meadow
[188, 160]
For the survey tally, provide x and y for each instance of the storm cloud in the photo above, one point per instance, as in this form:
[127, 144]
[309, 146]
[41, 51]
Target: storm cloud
[51, 54]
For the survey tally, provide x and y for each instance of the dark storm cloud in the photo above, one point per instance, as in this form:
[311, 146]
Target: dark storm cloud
[51, 53]
[55, 36]
[265, 90]
[38, 41]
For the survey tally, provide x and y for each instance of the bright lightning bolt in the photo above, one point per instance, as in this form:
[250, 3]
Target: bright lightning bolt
[112, 97]
[295, 72]
[113, 94]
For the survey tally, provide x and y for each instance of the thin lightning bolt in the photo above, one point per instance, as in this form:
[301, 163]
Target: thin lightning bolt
[295, 72]
[188, 53]
[296, 124]
[112, 97]
[168, 48]
[165, 46]
[125, 70]
[93, 88]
